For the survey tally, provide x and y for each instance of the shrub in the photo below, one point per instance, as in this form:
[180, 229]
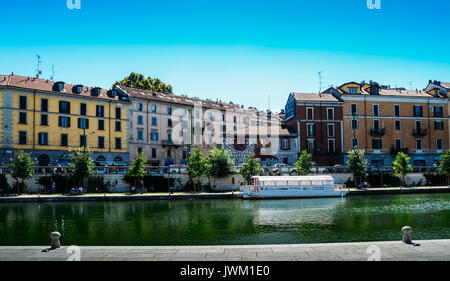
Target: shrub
[435, 179]
[4, 185]
[389, 179]
[152, 183]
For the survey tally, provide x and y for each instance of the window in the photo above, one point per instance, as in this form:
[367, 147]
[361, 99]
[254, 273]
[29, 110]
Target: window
[101, 142]
[64, 121]
[23, 102]
[234, 119]
[43, 138]
[140, 120]
[154, 123]
[140, 107]
[44, 120]
[154, 136]
[100, 111]
[310, 145]
[64, 107]
[44, 105]
[376, 144]
[331, 146]
[285, 145]
[118, 143]
[417, 111]
[184, 154]
[22, 117]
[330, 113]
[437, 111]
[140, 134]
[153, 152]
[139, 150]
[169, 122]
[418, 125]
[118, 126]
[398, 124]
[118, 113]
[355, 143]
[82, 140]
[376, 125]
[418, 144]
[354, 124]
[311, 130]
[309, 113]
[396, 110]
[101, 124]
[438, 125]
[83, 109]
[398, 144]
[169, 136]
[169, 110]
[331, 130]
[352, 90]
[83, 123]
[375, 109]
[22, 137]
[439, 144]
[154, 108]
[354, 108]
[64, 140]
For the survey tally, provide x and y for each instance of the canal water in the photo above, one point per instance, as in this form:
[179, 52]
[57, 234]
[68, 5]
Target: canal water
[227, 222]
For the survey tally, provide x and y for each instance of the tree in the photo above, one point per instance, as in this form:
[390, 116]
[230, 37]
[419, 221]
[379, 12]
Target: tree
[304, 163]
[137, 80]
[402, 166]
[81, 164]
[220, 164]
[250, 168]
[357, 163]
[444, 165]
[137, 169]
[22, 168]
[197, 165]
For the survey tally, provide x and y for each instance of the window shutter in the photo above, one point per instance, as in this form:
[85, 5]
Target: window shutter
[79, 123]
[87, 123]
[68, 122]
[59, 121]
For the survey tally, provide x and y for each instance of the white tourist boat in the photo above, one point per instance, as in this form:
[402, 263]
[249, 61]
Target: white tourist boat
[292, 187]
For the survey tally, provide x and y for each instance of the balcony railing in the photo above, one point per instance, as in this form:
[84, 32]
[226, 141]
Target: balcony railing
[377, 132]
[419, 132]
[169, 143]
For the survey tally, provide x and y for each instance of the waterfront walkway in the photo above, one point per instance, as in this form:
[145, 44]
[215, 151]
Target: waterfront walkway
[429, 250]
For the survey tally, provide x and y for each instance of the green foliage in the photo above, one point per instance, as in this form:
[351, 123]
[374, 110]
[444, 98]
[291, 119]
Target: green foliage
[444, 164]
[197, 164]
[4, 185]
[250, 168]
[374, 179]
[357, 163]
[81, 163]
[219, 162]
[98, 184]
[402, 166]
[137, 80]
[435, 179]
[22, 167]
[64, 183]
[137, 169]
[153, 183]
[304, 163]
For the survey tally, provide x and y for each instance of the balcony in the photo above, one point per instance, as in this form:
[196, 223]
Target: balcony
[165, 143]
[377, 132]
[419, 132]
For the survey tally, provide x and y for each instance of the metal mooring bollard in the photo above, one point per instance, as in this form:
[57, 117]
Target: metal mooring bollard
[407, 234]
[55, 239]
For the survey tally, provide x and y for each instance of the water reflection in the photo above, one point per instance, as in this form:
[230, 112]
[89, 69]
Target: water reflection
[207, 222]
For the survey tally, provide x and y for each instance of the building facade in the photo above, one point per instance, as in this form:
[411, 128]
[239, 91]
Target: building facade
[383, 121]
[318, 122]
[50, 118]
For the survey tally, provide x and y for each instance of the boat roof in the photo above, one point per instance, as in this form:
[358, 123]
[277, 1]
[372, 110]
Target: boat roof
[286, 178]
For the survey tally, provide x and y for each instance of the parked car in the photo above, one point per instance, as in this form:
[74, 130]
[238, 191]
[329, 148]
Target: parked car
[283, 169]
[155, 171]
[175, 169]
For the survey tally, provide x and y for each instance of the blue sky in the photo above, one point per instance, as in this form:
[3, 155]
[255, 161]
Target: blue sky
[239, 50]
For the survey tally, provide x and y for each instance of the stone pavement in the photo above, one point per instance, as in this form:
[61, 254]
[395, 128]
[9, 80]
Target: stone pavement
[429, 250]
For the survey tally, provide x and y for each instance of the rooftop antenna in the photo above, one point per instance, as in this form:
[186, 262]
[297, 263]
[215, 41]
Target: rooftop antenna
[320, 80]
[38, 70]
[269, 102]
[53, 73]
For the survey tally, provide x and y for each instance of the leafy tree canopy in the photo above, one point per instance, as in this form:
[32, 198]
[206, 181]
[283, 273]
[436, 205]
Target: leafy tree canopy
[22, 166]
[250, 168]
[357, 162]
[401, 164]
[220, 163]
[81, 163]
[197, 164]
[137, 169]
[137, 80]
[304, 163]
[444, 164]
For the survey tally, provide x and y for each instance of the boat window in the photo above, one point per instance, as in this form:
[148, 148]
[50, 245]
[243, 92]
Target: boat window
[328, 182]
[316, 182]
[305, 182]
[269, 183]
[293, 182]
[282, 183]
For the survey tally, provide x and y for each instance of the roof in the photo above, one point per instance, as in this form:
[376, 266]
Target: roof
[324, 97]
[385, 92]
[293, 178]
[47, 85]
[445, 85]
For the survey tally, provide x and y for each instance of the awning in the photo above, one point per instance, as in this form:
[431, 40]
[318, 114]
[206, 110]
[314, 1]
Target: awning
[419, 158]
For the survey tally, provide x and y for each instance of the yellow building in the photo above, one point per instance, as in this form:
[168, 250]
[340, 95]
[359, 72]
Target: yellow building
[50, 118]
[383, 120]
